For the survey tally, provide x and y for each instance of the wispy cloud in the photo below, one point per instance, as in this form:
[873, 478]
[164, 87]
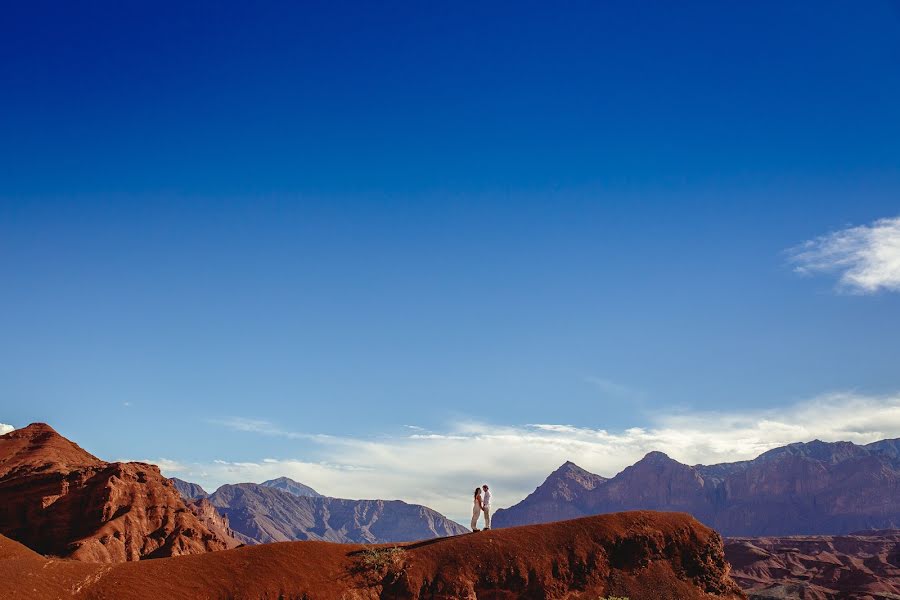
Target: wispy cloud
[438, 468]
[867, 258]
[263, 427]
[4, 428]
[613, 389]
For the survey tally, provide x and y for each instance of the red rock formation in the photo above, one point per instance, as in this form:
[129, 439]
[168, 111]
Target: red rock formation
[639, 555]
[861, 566]
[213, 520]
[58, 499]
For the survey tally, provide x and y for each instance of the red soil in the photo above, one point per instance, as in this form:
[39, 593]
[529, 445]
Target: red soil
[641, 555]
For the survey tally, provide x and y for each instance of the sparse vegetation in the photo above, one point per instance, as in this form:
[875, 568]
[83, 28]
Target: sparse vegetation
[382, 559]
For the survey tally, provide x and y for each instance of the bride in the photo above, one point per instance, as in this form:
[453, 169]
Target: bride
[476, 509]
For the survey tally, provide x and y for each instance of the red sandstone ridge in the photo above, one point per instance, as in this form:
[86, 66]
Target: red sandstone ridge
[641, 555]
[60, 500]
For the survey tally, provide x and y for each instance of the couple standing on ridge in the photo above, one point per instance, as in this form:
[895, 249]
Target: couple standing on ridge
[482, 505]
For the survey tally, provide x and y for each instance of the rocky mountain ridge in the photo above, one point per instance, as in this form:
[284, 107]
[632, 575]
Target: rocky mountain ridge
[805, 488]
[261, 514]
[283, 510]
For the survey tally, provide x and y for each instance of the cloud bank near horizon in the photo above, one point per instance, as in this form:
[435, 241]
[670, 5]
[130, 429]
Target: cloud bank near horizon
[4, 428]
[438, 469]
[867, 257]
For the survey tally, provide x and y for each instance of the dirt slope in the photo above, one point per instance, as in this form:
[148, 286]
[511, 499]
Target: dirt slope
[664, 556]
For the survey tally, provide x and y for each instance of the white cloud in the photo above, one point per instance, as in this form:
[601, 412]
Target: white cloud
[438, 469]
[167, 466]
[4, 428]
[866, 257]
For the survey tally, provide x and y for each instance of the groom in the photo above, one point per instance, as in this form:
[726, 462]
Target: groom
[486, 506]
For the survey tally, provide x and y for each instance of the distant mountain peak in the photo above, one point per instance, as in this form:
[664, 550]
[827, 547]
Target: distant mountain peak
[281, 480]
[657, 456]
[569, 471]
[568, 467]
[286, 484]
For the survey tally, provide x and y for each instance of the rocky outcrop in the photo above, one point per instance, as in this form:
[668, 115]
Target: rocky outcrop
[861, 566]
[60, 500]
[636, 555]
[260, 514]
[213, 520]
[811, 488]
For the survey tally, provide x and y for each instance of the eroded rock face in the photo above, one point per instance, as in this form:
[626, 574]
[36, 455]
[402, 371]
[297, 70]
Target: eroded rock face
[58, 499]
[213, 520]
[810, 488]
[861, 566]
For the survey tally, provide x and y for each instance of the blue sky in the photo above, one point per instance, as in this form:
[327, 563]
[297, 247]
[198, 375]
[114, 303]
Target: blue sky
[329, 233]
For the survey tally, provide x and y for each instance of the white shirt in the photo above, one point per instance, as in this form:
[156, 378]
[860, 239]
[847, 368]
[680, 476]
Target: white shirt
[486, 499]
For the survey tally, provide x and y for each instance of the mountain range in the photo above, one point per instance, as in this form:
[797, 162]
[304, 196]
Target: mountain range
[282, 510]
[191, 491]
[804, 488]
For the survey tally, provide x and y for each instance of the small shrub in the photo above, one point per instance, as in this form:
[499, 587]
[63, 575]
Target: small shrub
[382, 559]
